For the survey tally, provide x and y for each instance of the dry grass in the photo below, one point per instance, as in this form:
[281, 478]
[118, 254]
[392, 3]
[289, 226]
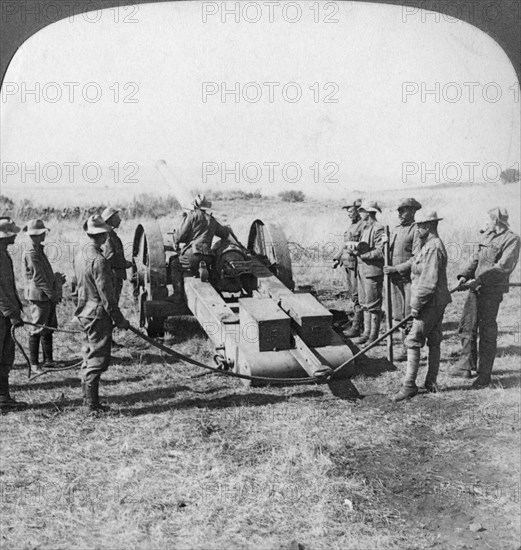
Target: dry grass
[203, 462]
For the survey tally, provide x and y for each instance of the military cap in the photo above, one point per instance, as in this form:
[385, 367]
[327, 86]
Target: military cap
[95, 225]
[8, 228]
[355, 204]
[499, 215]
[370, 206]
[108, 213]
[35, 227]
[428, 216]
[409, 203]
[201, 202]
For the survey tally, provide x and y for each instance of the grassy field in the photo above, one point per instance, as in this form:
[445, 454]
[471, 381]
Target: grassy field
[190, 461]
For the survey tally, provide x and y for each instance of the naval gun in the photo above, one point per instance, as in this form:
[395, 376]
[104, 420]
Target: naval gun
[246, 304]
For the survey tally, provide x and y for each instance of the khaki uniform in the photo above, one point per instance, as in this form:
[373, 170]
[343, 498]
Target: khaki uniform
[114, 253]
[197, 231]
[494, 260]
[350, 262]
[429, 293]
[370, 267]
[40, 288]
[10, 310]
[96, 311]
[404, 243]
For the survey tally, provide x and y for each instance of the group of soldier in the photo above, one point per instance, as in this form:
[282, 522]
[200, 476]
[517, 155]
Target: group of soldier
[417, 269]
[99, 276]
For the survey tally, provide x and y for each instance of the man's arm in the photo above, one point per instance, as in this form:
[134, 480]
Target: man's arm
[35, 271]
[9, 305]
[103, 281]
[504, 266]
[376, 252]
[428, 281]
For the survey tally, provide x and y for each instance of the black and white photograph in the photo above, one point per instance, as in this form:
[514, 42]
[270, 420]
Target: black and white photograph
[259, 275]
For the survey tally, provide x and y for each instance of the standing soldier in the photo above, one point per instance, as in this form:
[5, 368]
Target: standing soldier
[369, 252]
[10, 313]
[348, 259]
[486, 277]
[197, 231]
[97, 311]
[113, 250]
[429, 298]
[43, 291]
[404, 244]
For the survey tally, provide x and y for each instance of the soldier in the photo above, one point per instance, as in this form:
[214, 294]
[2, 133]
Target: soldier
[429, 298]
[113, 250]
[97, 310]
[348, 259]
[43, 291]
[404, 243]
[369, 252]
[487, 277]
[197, 231]
[10, 313]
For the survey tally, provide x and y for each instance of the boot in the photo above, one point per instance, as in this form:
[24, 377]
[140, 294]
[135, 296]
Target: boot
[487, 354]
[367, 329]
[7, 403]
[34, 349]
[467, 361]
[178, 285]
[402, 354]
[48, 360]
[91, 398]
[409, 388]
[357, 326]
[434, 367]
[376, 319]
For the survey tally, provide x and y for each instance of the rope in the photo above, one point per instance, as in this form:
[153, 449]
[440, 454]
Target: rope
[55, 329]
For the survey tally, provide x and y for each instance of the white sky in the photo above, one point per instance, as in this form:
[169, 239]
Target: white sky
[169, 52]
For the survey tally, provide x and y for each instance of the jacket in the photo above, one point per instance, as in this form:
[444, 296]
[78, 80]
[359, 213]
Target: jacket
[353, 234]
[96, 294]
[38, 275]
[428, 269]
[494, 260]
[371, 262]
[113, 252]
[10, 304]
[405, 242]
[197, 231]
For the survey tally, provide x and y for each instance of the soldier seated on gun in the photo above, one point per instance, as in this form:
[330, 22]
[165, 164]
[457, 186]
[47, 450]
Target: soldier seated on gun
[197, 231]
[43, 290]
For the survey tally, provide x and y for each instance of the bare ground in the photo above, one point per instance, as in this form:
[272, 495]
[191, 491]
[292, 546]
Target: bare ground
[190, 461]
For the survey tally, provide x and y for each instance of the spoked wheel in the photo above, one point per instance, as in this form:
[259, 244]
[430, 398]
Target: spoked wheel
[267, 240]
[149, 274]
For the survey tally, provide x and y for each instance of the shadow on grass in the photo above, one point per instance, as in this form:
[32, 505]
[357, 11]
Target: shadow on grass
[69, 382]
[507, 350]
[226, 402]
[373, 366]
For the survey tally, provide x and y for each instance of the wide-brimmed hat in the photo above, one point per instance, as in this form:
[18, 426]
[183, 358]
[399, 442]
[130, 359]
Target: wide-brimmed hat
[409, 203]
[428, 216]
[500, 215]
[108, 213]
[35, 227]
[355, 204]
[8, 228]
[201, 202]
[370, 206]
[95, 225]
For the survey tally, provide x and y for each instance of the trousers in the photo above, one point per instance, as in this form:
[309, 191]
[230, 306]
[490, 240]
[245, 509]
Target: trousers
[96, 347]
[479, 323]
[6, 347]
